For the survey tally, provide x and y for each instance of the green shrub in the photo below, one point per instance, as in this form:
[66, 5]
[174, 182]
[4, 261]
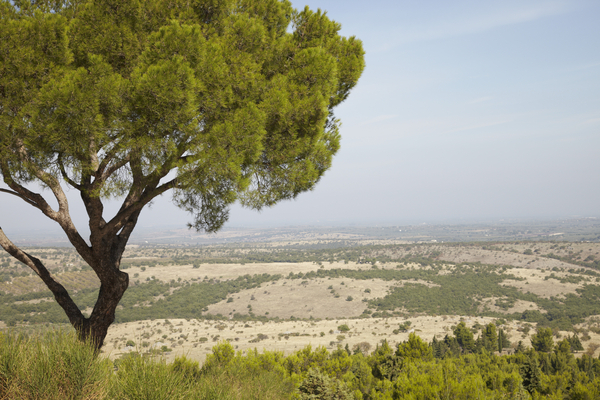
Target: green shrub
[188, 368]
[55, 365]
[141, 378]
[317, 385]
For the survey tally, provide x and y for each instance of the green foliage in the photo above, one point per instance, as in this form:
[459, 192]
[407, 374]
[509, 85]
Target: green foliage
[531, 373]
[542, 340]
[414, 349]
[190, 369]
[143, 378]
[221, 355]
[408, 372]
[302, 361]
[575, 343]
[224, 95]
[404, 326]
[54, 365]
[386, 364]
[464, 337]
[318, 386]
[490, 337]
[503, 341]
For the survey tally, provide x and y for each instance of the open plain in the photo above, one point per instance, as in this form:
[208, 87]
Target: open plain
[323, 291]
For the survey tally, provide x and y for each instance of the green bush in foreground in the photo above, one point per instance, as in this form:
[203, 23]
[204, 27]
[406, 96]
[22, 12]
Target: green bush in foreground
[52, 366]
[57, 366]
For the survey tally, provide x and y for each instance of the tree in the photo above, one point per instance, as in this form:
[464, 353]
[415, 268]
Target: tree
[415, 349]
[385, 363]
[531, 374]
[319, 386]
[575, 343]
[464, 337]
[503, 341]
[214, 101]
[542, 340]
[490, 337]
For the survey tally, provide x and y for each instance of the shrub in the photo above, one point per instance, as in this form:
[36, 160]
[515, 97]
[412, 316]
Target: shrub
[188, 368]
[317, 385]
[145, 378]
[55, 365]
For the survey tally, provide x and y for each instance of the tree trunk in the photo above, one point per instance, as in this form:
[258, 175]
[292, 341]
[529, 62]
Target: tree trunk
[96, 326]
[113, 284]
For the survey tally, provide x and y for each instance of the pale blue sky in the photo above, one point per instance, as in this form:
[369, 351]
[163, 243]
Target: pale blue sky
[467, 110]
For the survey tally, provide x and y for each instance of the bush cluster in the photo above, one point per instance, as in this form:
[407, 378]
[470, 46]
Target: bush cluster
[56, 365]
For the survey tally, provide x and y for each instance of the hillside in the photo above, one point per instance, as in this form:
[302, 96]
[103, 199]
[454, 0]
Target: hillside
[284, 295]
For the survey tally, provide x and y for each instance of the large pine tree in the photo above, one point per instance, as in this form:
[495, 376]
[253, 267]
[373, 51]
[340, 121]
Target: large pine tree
[215, 101]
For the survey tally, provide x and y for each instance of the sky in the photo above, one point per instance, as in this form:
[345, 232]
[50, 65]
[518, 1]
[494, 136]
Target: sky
[467, 111]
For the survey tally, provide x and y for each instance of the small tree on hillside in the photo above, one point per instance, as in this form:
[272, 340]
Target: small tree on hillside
[490, 336]
[213, 101]
[464, 337]
[542, 340]
[503, 341]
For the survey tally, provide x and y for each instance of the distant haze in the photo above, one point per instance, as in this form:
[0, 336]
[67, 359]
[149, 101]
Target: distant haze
[467, 111]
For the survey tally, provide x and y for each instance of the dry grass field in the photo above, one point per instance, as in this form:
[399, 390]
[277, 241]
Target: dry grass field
[323, 305]
[300, 312]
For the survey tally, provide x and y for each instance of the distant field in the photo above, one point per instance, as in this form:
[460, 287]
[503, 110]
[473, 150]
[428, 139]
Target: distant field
[284, 295]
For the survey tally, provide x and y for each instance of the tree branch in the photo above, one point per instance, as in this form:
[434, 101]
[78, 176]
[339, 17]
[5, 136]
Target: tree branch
[60, 293]
[31, 203]
[62, 217]
[104, 171]
[120, 220]
[63, 172]
[33, 197]
[108, 157]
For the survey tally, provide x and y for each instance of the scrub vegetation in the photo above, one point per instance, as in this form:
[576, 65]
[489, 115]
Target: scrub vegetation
[457, 367]
[422, 281]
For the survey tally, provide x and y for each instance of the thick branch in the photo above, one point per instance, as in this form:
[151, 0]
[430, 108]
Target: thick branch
[119, 221]
[107, 159]
[125, 233]
[62, 217]
[26, 200]
[33, 197]
[60, 293]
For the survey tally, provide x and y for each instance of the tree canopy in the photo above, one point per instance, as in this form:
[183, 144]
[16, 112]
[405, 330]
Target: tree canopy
[217, 101]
